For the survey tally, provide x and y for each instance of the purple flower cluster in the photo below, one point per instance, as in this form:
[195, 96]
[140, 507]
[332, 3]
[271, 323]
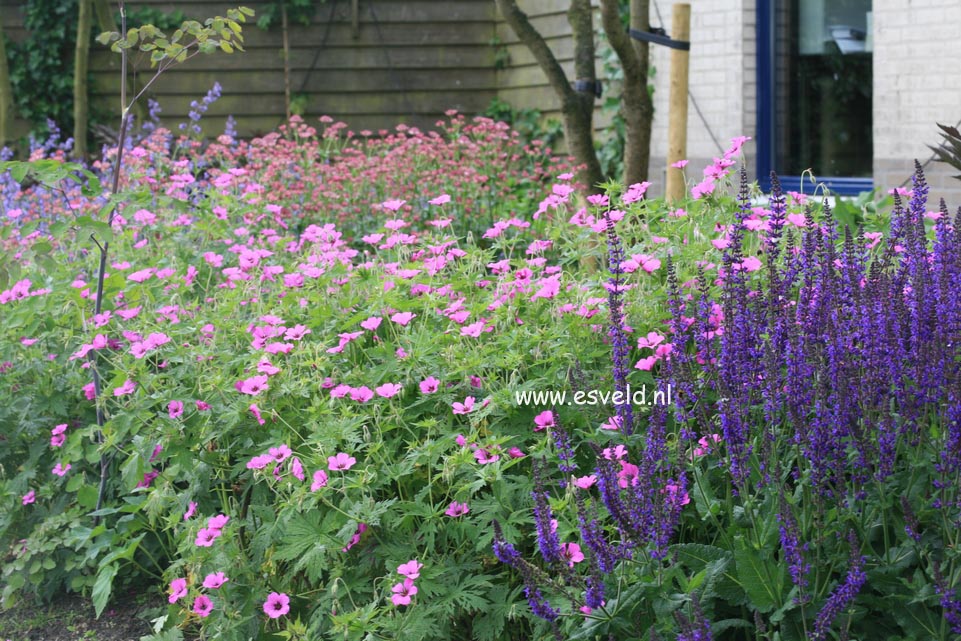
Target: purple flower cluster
[843, 594]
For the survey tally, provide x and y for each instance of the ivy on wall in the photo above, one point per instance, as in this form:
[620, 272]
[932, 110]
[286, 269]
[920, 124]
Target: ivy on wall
[42, 83]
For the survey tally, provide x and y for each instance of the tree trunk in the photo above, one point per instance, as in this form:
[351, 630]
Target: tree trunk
[577, 107]
[81, 106]
[637, 108]
[6, 95]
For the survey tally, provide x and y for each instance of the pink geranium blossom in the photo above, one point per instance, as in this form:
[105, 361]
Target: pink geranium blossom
[403, 592]
[320, 480]
[253, 385]
[429, 385]
[215, 580]
[175, 409]
[341, 461]
[464, 408]
[28, 498]
[389, 390]
[403, 318]
[411, 569]
[178, 590]
[127, 388]
[572, 553]
[277, 605]
[203, 606]
[191, 510]
[456, 509]
[544, 420]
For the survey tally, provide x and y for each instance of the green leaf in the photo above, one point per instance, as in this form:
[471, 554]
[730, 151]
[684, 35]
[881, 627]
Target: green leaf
[103, 586]
[87, 496]
[753, 575]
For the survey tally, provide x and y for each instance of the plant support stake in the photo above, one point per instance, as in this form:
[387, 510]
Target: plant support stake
[677, 103]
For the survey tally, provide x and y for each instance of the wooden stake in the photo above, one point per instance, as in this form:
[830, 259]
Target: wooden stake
[80, 66]
[677, 105]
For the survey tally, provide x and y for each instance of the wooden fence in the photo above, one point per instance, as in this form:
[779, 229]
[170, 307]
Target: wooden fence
[408, 61]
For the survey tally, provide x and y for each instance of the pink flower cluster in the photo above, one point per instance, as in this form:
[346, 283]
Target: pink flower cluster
[405, 590]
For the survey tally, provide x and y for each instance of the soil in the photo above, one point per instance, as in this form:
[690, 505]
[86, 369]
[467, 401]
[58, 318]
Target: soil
[72, 618]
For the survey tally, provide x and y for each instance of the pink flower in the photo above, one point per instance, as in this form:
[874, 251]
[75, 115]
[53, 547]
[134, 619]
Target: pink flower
[411, 569]
[340, 462]
[175, 409]
[372, 323]
[60, 470]
[256, 412]
[202, 406]
[571, 552]
[178, 590]
[127, 388]
[429, 385]
[280, 454]
[206, 537]
[484, 457]
[645, 364]
[544, 420]
[456, 509]
[443, 199]
[403, 592]
[516, 452]
[260, 462]
[203, 605]
[191, 510]
[464, 408]
[320, 480]
[277, 605]
[354, 540]
[680, 164]
[57, 436]
[29, 498]
[585, 482]
[297, 469]
[389, 390]
[403, 318]
[218, 522]
[361, 394]
[473, 330]
[393, 205]
[215, 580]
[705, 443]
[253, 385]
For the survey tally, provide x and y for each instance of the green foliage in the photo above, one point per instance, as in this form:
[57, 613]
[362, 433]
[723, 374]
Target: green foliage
[298, 11]
[949, 151]
[529, 123]
[215, 34]
[42, 82]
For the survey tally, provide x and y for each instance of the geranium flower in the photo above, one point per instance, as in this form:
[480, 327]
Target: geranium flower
[544, 420]
[57, 435]
[277, 605]
[61, 470]
[403, 318]
[429, 385]
[572, 553]
[372, 323]
[389, 390]
[411, 569]
[203, 605]
[217, 522]
[253, 385]
[341, 461]
[178, 590]
[29, 498]
[585, 482]
[320, 480]
[175, 409]
[361, 394]
[465, 407]
[191, 510]
[127, 388]
[215, 580]
[355, 539]
[206, 537]
[456, 509]
[403, 592]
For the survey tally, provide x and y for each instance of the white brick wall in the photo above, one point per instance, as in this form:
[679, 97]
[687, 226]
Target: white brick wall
[917, 84]
[721, 76]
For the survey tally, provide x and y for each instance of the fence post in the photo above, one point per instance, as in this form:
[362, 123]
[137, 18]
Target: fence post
[677, 105]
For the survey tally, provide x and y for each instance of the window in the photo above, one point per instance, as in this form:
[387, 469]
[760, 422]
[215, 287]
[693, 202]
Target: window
[814, 92]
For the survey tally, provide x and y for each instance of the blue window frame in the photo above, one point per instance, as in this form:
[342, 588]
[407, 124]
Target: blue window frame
[814, 66]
